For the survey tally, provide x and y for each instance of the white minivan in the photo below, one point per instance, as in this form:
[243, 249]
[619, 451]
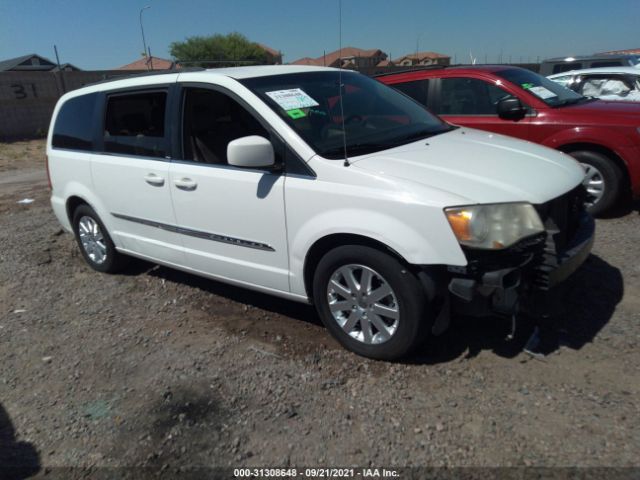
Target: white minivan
[317, 185]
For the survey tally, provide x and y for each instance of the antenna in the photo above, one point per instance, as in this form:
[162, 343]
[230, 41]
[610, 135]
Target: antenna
[55, 49]
[344, 132]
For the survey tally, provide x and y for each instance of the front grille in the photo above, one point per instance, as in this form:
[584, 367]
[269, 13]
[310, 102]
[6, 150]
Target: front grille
[561, 217]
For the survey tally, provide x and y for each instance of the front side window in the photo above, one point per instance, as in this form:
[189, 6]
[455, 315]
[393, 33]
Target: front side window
[550, 92]
[332, 110]
[74, 125]
[418, 90]
[468, 96]
[211, 120]
[564, 80]
[134, 124]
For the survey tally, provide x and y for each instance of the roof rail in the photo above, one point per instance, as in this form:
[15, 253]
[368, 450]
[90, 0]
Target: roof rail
[414, 69]
[147, 74]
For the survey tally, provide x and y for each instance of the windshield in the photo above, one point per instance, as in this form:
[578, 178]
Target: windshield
[376, 117]
[550, 92]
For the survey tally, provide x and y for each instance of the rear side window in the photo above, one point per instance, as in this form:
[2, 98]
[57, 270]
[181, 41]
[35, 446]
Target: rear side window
[565, 67]
[418, 90]
[134, 124]
[74, 125]
[606, 64]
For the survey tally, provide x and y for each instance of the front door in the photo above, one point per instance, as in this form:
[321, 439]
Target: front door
[232, 219]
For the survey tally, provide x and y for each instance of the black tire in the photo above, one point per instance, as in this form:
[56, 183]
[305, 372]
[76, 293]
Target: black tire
[612, 177]
[414, 316]
[114, 260]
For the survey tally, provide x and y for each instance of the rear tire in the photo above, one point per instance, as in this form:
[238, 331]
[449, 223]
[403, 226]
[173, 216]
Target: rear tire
[94, 241]
[381, 312]
[603, 180]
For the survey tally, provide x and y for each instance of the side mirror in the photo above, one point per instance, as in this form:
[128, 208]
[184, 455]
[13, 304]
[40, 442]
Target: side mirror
[510, 108]
[250, 152]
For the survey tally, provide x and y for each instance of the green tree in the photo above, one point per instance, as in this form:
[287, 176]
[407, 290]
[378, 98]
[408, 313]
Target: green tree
[219, 50]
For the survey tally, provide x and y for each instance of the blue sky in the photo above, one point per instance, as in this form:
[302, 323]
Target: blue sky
[106, 34]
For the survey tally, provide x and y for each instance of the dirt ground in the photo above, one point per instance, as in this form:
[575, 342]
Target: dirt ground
[158, 368]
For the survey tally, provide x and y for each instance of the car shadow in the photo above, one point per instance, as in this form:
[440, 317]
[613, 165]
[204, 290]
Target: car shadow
[622, 209]
[296, 310]
[18, 460]
[590, 299]
[588, 304]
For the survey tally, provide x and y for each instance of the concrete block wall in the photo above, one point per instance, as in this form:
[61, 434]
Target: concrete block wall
[27, 99]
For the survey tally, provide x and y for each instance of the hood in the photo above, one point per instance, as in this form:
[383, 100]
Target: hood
[479, 166]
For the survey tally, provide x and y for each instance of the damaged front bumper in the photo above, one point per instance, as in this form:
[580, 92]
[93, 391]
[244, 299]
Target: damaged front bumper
[523, 278]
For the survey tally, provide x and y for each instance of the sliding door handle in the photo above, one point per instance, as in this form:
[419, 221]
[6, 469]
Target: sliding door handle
[153, 179]
[185, 184]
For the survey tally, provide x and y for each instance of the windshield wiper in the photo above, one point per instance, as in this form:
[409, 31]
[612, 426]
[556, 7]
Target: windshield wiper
[357, 149]
[420, 135]
[362, 148]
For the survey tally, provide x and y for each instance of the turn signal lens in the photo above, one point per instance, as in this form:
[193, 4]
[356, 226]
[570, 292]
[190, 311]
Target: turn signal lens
[460, 221]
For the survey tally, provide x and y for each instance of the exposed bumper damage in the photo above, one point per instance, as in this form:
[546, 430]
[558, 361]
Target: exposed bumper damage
[527, 277]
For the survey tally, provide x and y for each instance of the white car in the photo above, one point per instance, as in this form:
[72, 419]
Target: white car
[317, 185]
[607, 83]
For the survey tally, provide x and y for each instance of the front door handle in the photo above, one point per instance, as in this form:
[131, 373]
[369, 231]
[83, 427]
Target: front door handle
[185, 184]
[153, 179]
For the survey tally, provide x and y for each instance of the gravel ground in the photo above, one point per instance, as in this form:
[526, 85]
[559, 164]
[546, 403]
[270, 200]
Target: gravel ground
[158, 368]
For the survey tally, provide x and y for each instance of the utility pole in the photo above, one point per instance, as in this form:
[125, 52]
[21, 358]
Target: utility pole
[144, 42]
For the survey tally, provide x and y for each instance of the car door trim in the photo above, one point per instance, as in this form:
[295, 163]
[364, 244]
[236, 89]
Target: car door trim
[216, 237]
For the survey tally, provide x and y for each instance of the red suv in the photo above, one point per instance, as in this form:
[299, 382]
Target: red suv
[603, 136]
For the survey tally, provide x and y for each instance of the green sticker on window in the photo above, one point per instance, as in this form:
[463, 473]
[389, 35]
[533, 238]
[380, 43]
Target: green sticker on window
[527, 86]
[296, 113]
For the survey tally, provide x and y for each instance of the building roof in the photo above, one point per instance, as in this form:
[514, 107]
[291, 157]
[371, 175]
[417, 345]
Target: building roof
[270, 50]
[632, 51]
[149, 63]
[24, 63]
[65, 66]
[332, 57]
[421, 56]
[305, 61]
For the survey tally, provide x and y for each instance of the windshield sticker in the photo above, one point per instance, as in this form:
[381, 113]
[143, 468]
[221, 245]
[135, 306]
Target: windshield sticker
[542, 92]
[527, 86]
[292, 99]
[296, 113]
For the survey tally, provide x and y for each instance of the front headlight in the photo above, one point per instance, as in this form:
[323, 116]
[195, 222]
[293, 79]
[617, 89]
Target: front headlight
[493, 226]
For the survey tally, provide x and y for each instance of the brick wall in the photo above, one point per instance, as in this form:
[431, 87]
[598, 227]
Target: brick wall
[27, 99]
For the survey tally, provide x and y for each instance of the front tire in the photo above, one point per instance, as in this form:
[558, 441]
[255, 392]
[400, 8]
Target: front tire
[371, 303]
[94, 241]
[603, 180]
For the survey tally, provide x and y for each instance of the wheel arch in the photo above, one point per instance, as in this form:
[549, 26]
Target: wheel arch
[569, 148]
[325, 244]
[72, 203]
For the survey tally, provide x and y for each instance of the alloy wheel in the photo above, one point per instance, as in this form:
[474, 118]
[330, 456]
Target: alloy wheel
[363, 303]
[593, 183]
[92, 240]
